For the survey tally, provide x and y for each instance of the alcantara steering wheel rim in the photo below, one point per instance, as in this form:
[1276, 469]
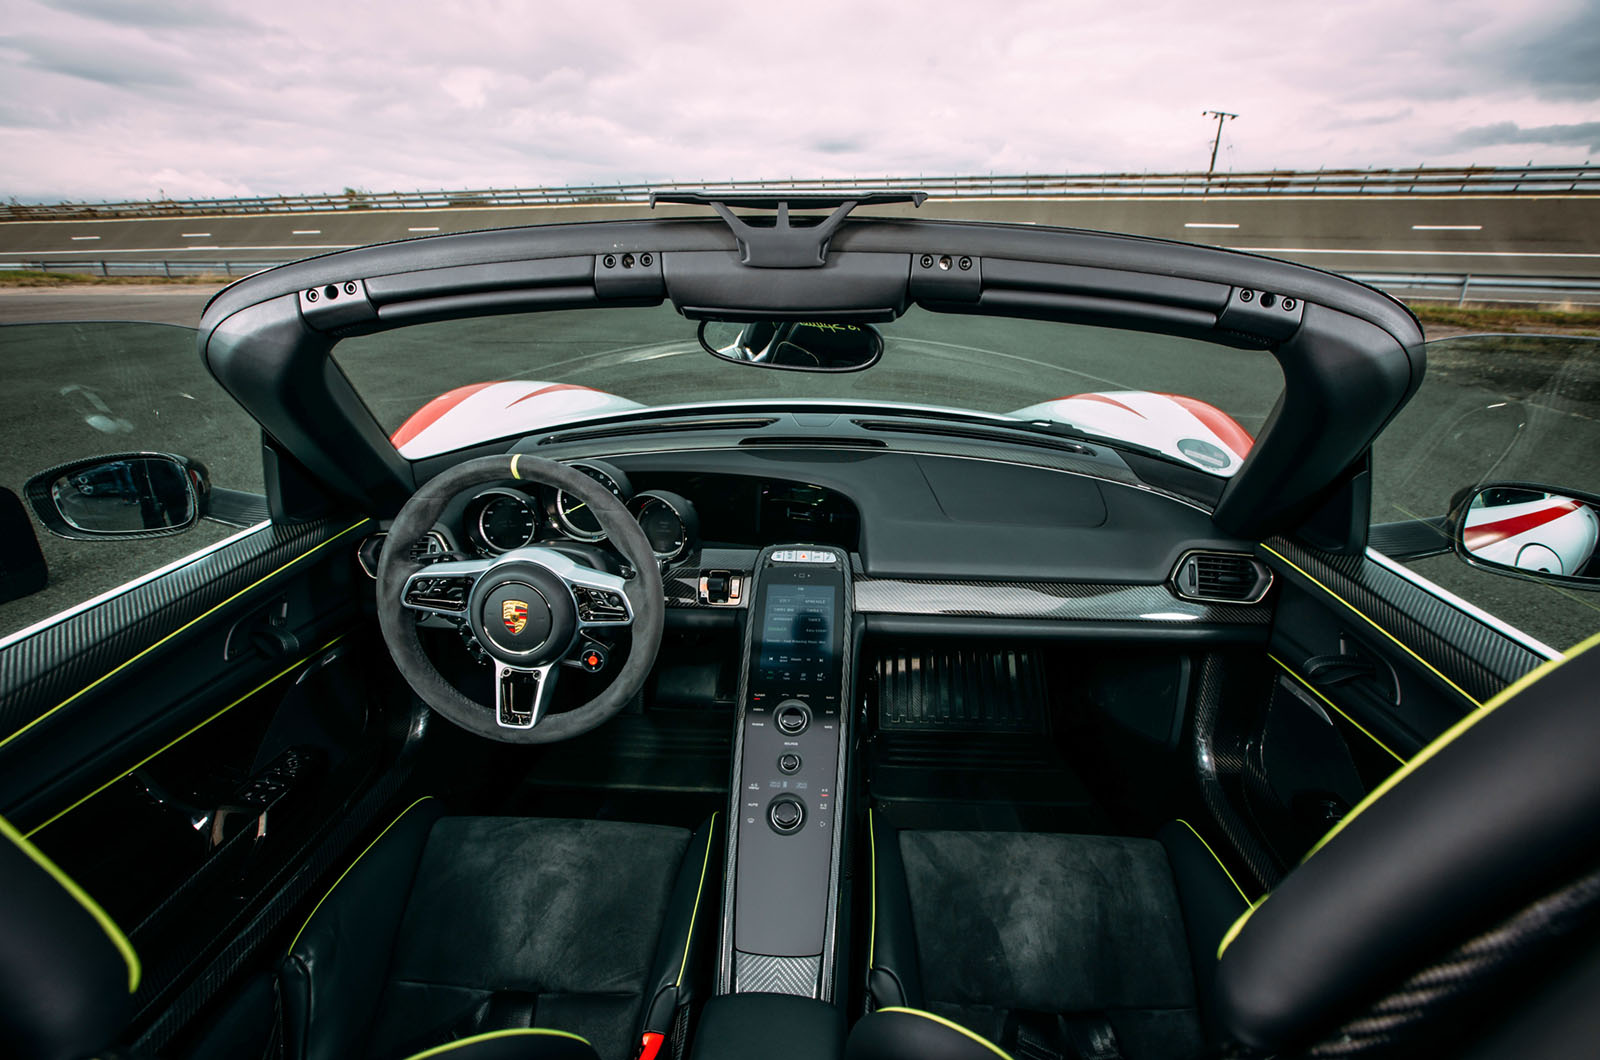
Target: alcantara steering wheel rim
[533, 578]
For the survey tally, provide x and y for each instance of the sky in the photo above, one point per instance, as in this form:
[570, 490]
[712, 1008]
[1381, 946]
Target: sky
[131, 99]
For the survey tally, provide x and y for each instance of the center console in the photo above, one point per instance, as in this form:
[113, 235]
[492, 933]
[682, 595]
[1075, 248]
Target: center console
[781, 884]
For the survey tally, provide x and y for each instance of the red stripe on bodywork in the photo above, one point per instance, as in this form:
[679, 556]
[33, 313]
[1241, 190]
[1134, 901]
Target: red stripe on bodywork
[1485, 534]
[552, 388]
[1104, 401]
[430, 413]
[1218, 422]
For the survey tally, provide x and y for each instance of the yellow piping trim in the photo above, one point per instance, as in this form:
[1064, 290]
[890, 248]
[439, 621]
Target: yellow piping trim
[168, 746]
[1314, 691]
[958, 1028]
[514, 460]
[1422, 756]
[514, 1032]
[872, 936]
[687, 942]
[1362, 615]
[1238, 925]
[1218, 860]
[181, 629]
[109, 926]
[346, 872]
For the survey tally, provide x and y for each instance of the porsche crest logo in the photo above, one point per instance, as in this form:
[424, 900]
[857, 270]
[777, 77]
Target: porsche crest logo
[515, 613]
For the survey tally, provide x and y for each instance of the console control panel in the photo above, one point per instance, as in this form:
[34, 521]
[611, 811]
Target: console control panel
[791, 738]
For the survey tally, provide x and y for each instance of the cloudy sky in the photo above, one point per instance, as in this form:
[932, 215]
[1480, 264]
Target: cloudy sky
[109, 99]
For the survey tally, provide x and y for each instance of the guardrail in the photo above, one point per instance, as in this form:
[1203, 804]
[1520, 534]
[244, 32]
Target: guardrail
[1472, 180]
[1457, 287]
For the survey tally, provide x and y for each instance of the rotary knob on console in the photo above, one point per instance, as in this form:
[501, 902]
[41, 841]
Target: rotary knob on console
[786, 814]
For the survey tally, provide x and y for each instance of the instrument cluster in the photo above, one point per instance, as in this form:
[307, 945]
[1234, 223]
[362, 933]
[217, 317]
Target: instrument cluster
[503, 518]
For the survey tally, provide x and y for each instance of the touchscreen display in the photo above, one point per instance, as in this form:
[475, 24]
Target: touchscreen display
[797, 633]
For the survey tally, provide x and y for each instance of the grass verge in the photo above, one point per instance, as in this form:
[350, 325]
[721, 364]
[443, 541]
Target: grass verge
[39, 278]
[1490, 318]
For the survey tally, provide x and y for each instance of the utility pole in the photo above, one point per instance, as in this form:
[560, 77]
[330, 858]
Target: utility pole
[1221, 116]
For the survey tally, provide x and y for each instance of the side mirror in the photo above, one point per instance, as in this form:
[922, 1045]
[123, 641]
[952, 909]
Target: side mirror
[1532, 531]
[796, 345]
[124, 495]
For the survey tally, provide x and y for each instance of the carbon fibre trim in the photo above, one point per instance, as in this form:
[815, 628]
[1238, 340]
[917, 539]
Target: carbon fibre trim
[1468, 652]
[682, 586]
[756, 973]
[1059, 600]
[1219, 757]
[40, 672]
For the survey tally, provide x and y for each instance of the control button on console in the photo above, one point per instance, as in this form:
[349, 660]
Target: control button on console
[792, 717]
[786, 814]
[789, 763]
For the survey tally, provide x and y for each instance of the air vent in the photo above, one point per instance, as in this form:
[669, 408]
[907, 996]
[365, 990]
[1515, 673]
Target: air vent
[372, 545]
[1221, 577]
[818, 442]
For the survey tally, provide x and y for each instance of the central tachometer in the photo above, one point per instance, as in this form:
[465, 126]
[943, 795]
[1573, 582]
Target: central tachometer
[573, 516]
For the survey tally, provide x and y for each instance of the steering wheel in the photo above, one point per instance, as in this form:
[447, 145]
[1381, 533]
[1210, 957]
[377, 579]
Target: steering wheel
[527, 607]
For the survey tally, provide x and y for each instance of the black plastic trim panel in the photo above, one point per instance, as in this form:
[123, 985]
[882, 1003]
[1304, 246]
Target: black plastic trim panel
[1477, 657]
[40, 671]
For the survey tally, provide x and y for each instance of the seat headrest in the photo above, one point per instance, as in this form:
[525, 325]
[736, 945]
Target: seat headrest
[66, 971]
[1492, 816]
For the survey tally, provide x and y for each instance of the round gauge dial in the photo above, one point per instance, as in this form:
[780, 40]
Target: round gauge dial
[572, 514]
[506, 520]
[669, 522]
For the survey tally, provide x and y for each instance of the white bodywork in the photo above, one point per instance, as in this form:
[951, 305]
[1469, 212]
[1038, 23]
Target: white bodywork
[1556, 535]
[468, 415]
[1183, 428]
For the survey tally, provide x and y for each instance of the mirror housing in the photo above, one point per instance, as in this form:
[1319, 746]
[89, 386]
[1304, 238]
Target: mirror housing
[1529, 530]
[121, 495]
[794, 345]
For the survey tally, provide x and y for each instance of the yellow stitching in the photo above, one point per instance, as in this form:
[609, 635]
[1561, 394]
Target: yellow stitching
[514, 460]
[1397, 641]
[710, 833]
[958, 1028]
[353, 864]
[1218, 860]
[204, 615]
[1287, 669]
[514, 1032]
[39, 828]
[109, 926]
[872, 937]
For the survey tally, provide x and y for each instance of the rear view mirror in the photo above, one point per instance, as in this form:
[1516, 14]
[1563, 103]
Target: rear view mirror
[125, 495]
[1528, 530]
[796, 345]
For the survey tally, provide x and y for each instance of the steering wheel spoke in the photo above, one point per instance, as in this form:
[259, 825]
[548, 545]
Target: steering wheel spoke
[443, 588]
[522, 694]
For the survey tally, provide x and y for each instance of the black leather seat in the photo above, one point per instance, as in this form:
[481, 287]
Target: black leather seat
[1456, 910]
[467, 937]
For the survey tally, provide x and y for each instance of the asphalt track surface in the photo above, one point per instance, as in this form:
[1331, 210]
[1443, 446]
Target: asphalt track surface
[1522, 407]
[1495, 235]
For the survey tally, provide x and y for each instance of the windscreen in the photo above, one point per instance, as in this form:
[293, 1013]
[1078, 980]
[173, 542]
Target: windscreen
[442, 386]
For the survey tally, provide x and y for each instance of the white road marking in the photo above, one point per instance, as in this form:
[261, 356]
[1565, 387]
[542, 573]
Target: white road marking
[1207, 224]
[213, 246]
[166, 250]
[194, 235]
[306, 232]
[1447, 228]
[83, 239]
[432, 228]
